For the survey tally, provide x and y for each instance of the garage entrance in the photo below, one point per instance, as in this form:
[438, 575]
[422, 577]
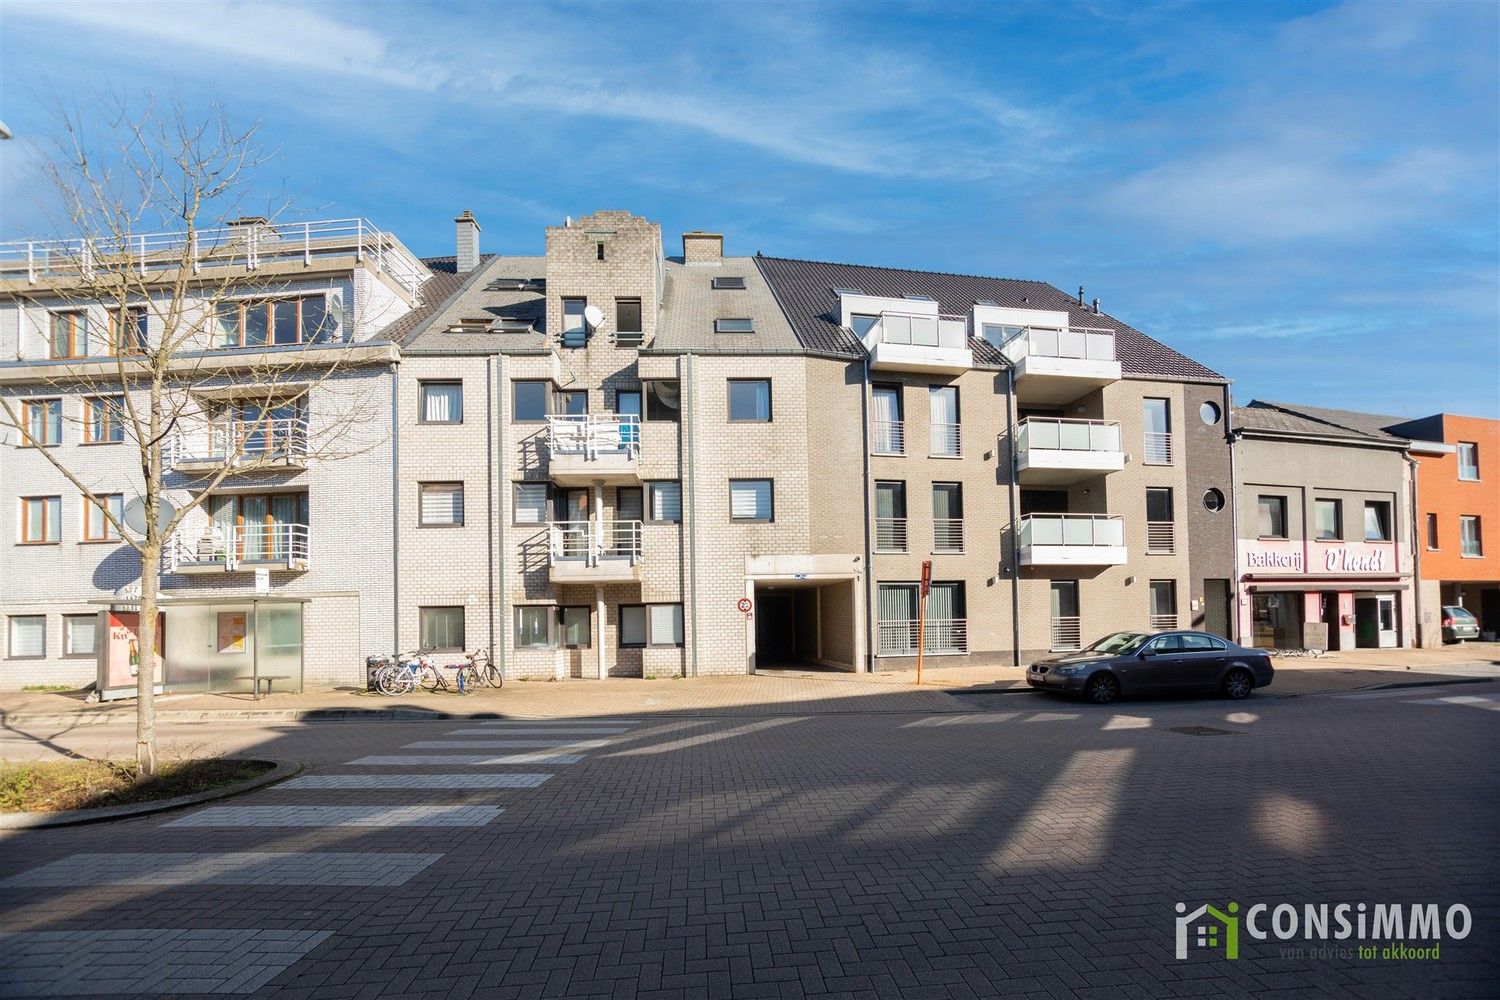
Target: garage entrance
[804, 625]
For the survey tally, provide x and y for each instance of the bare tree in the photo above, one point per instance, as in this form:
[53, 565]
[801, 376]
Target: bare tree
[162, 244]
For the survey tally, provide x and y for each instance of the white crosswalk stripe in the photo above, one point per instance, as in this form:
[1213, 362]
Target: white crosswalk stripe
[562, 746]
[1491, 704]
[465, 759]
[533, 731]
[339, 816]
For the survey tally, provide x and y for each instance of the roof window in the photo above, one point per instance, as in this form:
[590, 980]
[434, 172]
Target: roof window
[729, 281]
[736, 325]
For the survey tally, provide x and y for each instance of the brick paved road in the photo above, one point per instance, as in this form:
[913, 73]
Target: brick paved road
[1021, 847]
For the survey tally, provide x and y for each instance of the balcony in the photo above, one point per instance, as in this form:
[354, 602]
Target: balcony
[239, 548]
[1059, 366]
[940, 636]
[947, 535]
[919, 342]
[890, 534]
[590, 448]
[249, 445]
[1057, 452]
[1072, 540]
[945, 441]
[1161, 538]
[1156, 448]
[252, 245]
[594, 552]
[888, 437]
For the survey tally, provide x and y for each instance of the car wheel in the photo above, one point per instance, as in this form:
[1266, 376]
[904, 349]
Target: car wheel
[1103, 689]
[1238, 684]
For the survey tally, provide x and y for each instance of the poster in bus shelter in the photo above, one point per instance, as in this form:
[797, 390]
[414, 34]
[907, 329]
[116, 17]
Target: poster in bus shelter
[121, 662]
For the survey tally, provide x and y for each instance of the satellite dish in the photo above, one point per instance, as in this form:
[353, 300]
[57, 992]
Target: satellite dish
[135, 514]
[593, 314]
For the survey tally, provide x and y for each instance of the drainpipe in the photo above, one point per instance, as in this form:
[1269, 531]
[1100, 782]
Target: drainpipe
[395, 510]
[1015, 527]
[1416, 554]
[864, 431]
[489, 482]
[497, 648]
[690, 600]
[1232, 435]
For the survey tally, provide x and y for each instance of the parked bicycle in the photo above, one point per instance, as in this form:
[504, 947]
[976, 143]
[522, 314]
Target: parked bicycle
[405, 672]
[484, 669]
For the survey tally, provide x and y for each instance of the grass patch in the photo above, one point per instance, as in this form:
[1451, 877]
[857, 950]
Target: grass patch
[49, 687]
[54, 786]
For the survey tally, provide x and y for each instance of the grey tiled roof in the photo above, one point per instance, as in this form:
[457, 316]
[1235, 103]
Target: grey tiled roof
[436, 291]
[691, 305]
[805, 290]
[474, 297]
[1294, 418]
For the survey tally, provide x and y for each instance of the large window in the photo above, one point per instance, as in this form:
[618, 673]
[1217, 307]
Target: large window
[1471, 544]
[1328, 520]
[534, 626]
[127, 330]
[529, 401]
[79, 635]
[1156, 418]
[575, 324]
[1271, 517]
[441, 402]
[650, 625]
[1377, 520]
[628, 321]
[43, 420]
[41, 520]
[751, 500]
[947, 517]
[897, 607]
[1161, 528]
[96, 526]
[887, 432]
[530, 505]
[749, 400]
[28, 637]
[251, 323]
[1468, 460]
[663, 400]
[69, 336]
[664, 500]
[942, 404]
[890, 516]
[441, 628]
[103, 419]
[442, 504]
[1163, 594]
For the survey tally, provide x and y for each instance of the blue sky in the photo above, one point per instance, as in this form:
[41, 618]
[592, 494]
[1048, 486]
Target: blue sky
[1303, 196]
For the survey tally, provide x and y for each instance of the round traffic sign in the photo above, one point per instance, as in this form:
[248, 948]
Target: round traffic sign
[744, 605]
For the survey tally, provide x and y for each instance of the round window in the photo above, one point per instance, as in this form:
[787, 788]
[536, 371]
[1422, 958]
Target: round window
[1213, 500]
[1209, 412]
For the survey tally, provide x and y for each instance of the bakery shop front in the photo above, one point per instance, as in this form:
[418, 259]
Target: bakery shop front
[1308, 594]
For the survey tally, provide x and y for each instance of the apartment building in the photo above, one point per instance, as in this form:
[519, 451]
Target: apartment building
[286, 391]
[1327, 539]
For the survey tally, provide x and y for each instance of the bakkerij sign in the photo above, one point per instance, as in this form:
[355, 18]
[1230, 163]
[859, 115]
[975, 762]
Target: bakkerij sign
[1395, 925]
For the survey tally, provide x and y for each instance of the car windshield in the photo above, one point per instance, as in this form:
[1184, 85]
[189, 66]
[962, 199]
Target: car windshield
[1458, 613]
[1119, 642]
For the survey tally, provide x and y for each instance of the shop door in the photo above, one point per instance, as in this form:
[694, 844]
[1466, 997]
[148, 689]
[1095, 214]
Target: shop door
[1385, 611]
[1276, 627]
[1366, 624]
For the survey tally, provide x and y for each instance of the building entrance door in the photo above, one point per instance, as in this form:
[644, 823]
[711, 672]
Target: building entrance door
[1375, 622]
[1385, 612]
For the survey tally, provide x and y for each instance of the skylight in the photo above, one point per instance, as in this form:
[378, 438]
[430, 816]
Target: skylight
[729, 281]
[847, 291]
[735, 325]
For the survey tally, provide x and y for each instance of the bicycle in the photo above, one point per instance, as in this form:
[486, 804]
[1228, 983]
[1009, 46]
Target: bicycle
[405, 673]
[484, 669]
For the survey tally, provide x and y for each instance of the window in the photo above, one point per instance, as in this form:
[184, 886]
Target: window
[575, 627]
[1067, 632]
[441, 402]
[441, 628]
[650, 625]
[97, 527]
[534, 626]
[896, 619]
[942, 405]
[1377, 521]
[1468, 461]
[628, 320]
[246, 323]
[1432, 531]
[1161, 529]
[663, 399]
[575, 331]
[888, 433]
[1272, 517]
[530, 503]
[1159, 504]
[43, 420]
[1156, 421]
[442, 504]
[890, 517]
[599, 250]
[1213, 499]
[750, 500]
[862, 324]
[69, 335]
[664, 500]
[41, 520]
[1328, 520]
[28, 637]
[103, 419]
[734, 325]
[79, 635]
[730, 282]
[947, 517]
[1469, 542]
[1163, 597]
[629, 504]
[127, 330]
[571, 402]
[749, 400]
[1209, 412]
[628, 404]
[529, 401]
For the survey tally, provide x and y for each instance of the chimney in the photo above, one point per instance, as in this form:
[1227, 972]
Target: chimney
[1080, 296]
[702, 248]
[468, 242]
[1096, 306]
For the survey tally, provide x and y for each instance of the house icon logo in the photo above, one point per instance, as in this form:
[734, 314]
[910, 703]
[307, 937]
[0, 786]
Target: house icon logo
[1209, 927]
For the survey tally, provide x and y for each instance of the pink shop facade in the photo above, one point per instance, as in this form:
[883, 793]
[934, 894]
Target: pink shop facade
[1332, 595]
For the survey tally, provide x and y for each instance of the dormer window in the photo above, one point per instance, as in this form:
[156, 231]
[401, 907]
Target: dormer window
[847, 291]
[729, 282]
[737, 325]
[919, 298]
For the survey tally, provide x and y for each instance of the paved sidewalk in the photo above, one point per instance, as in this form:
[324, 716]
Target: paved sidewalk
[771, 692]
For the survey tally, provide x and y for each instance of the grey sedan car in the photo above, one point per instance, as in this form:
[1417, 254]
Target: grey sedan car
[1147, 663]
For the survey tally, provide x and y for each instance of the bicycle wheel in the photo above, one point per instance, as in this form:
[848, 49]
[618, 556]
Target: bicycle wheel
[430, 677]
[393, 680]
[490, 673]
[470, 679]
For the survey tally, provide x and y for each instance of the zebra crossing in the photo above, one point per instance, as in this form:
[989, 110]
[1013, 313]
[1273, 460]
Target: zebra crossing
[61, 962]
[1424, 696]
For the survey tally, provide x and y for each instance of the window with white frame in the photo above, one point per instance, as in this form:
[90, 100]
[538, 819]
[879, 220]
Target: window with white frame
[751, 500]
[441, 402]
[79, 635]
[1468, 461]
[28, 637]
[442, 504]
[1471, 545]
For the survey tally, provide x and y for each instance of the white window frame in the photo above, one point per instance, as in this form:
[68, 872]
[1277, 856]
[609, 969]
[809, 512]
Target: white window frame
[10, 638]
[1473, 449]
[70, 625]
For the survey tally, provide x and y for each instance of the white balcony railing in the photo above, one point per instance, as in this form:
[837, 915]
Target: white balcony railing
[1080, 343]
[889, 437]
[1161, 537]
[918, 330]
[595, 435]
[1072, 529]
[947, 534]
[1057, 434]
[592, 541]
[238, 442]
[249, 245]
[1163, 623]
[1157, 448]
[939, 636]
[946, 441]
[890, 534]
[243, 545]
[1067, 633]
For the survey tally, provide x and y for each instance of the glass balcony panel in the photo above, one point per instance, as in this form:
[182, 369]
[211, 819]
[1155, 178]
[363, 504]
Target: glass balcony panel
[1074, 437]
[924, 331]
[1072, 344]
[1047, 531]
[1104, 437]
[1078, 531]
[896, 329]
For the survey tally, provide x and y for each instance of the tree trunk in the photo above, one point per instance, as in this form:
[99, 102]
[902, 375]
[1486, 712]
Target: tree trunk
[145, 682]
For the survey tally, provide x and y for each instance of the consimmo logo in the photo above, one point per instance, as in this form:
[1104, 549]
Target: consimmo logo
[1215, 928]
[1407, 931]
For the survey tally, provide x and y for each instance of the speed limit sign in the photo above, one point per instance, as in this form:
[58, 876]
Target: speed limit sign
[744, 605]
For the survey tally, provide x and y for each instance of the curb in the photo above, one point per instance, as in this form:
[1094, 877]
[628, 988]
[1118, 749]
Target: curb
[77, 817]
[239, 715]
[1397, 685]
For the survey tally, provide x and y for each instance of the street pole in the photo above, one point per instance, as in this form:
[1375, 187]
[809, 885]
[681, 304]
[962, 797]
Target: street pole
[922, 614]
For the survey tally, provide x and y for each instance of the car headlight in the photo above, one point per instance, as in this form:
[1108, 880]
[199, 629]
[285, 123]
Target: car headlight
[1071, 669]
